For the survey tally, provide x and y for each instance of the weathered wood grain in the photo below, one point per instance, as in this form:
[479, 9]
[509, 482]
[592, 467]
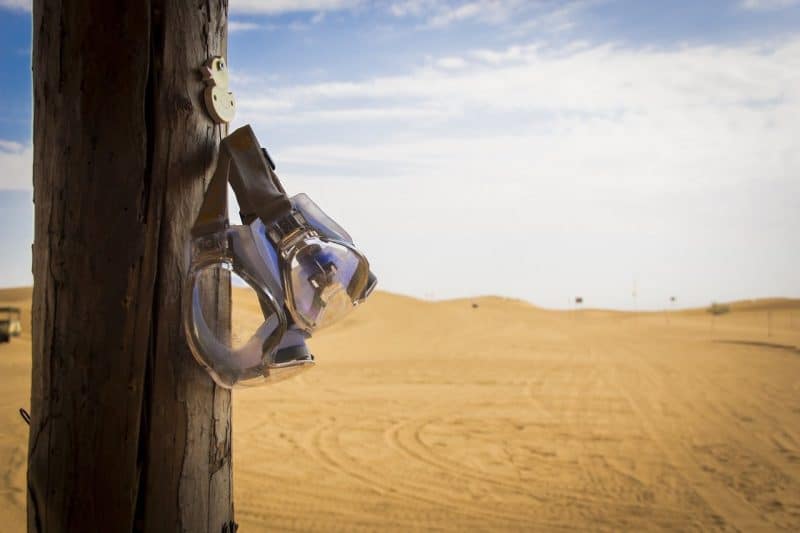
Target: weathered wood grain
[128, 433]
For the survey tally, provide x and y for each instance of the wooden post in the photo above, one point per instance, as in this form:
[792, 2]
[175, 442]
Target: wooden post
[128, 433]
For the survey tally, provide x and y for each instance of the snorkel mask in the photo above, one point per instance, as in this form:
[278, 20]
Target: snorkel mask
[300, 264]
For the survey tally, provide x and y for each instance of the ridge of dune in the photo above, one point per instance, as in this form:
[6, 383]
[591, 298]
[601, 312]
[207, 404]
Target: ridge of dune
[22, 296]
[16, 294]
[491, 301]
[761, 304]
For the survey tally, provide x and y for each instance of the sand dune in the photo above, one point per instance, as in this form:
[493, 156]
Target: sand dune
[443, 416]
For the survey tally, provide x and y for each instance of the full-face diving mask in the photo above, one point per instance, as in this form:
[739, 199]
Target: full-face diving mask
[301, 265]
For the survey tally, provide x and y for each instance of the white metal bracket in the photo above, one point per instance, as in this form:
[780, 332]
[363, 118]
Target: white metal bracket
[220, 102]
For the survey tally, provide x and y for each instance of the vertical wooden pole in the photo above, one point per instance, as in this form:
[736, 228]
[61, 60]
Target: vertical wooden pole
[127, 432]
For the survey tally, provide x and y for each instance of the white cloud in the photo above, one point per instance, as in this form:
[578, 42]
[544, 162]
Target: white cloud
[442, 12]
[768, 5]
[239, 25]
[585, 161]
[467, 11]
[499, 57]
[277, 7]
[16, 163]
[451, 63]
[11, 146]
[408, 7]
[22, 5]
[526, 14]
[439, 12]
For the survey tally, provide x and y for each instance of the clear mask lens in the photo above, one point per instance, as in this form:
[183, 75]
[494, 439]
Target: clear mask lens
[324, 280]
[319, 219]
[230, 342]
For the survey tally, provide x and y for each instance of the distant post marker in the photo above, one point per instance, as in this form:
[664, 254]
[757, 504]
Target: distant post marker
[578, 301]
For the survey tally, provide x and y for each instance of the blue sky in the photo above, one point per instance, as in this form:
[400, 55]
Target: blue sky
[533, 149]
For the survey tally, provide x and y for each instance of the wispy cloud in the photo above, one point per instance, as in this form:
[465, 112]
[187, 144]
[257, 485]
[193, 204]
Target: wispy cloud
[240, 25]
[451, 62]
[277, 7]
[443, 12]
[20, 5]
[11, 146]
[16, 161]
[525, 13]
[593, 81]
[488, 10]
[768, 5]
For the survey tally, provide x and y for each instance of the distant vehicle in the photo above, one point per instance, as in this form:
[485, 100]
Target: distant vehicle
[10, 326]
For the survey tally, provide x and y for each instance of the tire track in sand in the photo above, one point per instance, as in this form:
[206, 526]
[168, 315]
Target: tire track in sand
[759, 475]
[324, 446]
[726, 504]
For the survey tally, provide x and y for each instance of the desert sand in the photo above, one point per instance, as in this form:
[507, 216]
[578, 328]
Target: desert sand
[500, 417]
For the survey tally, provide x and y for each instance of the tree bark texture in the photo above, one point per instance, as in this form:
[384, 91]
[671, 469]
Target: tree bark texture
[128, 433]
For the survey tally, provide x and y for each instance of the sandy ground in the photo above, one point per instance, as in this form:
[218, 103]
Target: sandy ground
[441, 416]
